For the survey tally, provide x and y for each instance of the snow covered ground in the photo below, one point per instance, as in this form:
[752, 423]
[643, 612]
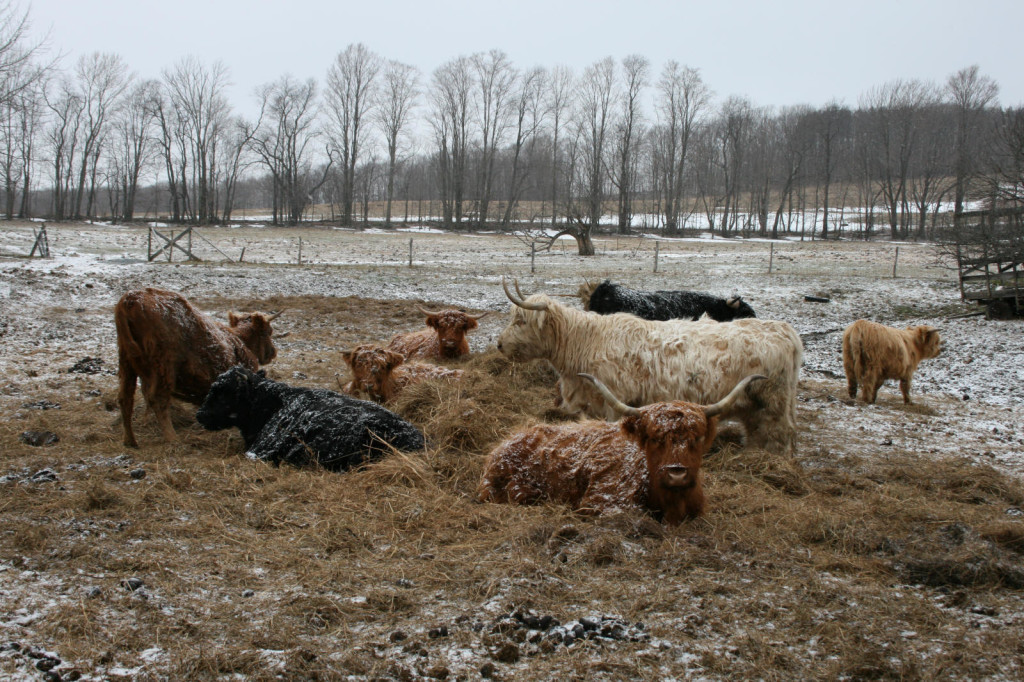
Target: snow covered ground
[63, 304]
[969, 404]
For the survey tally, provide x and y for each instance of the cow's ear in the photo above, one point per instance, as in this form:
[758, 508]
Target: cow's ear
[539, 317]
[261, 373]
[432, 321]
[233, 319]
[630, 425]
[471, 323]
[347, 356]
[393, 359]
[734, 302]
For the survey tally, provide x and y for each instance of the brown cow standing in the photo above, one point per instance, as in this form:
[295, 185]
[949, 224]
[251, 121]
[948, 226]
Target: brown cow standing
[176, 351]
[873, 353]
[445, 338]
[650, 460]
[383, 374]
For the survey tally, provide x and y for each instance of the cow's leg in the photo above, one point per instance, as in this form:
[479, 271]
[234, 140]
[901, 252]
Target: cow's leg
[158, 396]
[771, 428]
[905, 389]
[126, 398]
[871, 385]
[851, 371]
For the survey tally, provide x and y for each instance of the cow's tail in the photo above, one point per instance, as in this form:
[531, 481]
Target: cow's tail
[127, 345]
[853, 359]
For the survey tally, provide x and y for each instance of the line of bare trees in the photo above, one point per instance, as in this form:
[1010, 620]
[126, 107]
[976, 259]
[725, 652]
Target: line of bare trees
[484, 143]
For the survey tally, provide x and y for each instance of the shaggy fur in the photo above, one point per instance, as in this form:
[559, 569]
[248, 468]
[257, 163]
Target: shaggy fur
[873, 353]
[444, 338]
[383, 374]
[607, 298]
[650, 460]
[176, 351]
[302, 426]
[644, 362]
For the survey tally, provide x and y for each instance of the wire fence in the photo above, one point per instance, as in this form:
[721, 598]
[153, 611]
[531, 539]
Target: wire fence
[432, 250]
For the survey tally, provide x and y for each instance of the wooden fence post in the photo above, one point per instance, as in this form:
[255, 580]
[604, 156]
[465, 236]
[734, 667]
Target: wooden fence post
[894, 261]
[410, 252]
[656, 256]
[771, 257]
[533, 255]
[300, 250]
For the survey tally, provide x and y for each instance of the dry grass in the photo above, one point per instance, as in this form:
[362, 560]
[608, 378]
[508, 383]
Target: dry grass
[830, 565]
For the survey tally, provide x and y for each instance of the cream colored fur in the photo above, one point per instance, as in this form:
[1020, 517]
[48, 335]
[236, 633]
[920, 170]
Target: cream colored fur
[644, 362]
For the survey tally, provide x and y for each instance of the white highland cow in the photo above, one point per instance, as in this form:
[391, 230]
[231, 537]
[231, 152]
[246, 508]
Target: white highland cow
[644, 362]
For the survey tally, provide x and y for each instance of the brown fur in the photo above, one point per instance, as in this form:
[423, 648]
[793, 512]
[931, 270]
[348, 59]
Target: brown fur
[873, 353]
[174, 350]
[445, 337]
[651, 461]
[383, 374]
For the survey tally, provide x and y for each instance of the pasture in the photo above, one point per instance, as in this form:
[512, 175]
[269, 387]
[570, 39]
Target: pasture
[889, 547]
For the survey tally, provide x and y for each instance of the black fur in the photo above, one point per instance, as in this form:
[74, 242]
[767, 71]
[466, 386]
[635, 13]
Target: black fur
[609, 298]
[302, 426]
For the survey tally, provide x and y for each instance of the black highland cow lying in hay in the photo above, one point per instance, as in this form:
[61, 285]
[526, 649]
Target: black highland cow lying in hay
[302, 426]
[607, 298]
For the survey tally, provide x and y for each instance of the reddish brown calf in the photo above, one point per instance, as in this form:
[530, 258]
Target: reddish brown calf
[174, 350]
[445, 337]
[650, 460]
[382, 374]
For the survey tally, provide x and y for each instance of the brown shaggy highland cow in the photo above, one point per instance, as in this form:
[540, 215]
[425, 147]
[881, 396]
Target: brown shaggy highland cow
[873, 353]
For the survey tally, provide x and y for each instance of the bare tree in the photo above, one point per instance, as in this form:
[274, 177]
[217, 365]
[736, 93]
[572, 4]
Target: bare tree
[196, 95]
[970, 93]
[495, 79]
[559, 100]
[351, 81]
[20, 118]
[529, 115]
[133, 141]
[397, 97]
[449, 118]
[282, 140]
[635, 78]
[591, 126]
[831, 126]
[18, 70]
[101, 79]
[893, 114]
[931, 164]
[1006, 161]
[795, 138]
[65, 109]
[682, 99]
[732, 133]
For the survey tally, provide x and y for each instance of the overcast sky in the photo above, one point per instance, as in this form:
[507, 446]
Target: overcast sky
[775, 53]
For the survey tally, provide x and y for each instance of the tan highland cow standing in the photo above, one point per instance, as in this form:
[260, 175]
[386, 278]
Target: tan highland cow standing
[873, 353]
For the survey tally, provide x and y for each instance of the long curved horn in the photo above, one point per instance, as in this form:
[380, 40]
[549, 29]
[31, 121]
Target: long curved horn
[727, 402]
[518, 300]
[275, 316]
[615, 403]
[428, 313]
[281, 336]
